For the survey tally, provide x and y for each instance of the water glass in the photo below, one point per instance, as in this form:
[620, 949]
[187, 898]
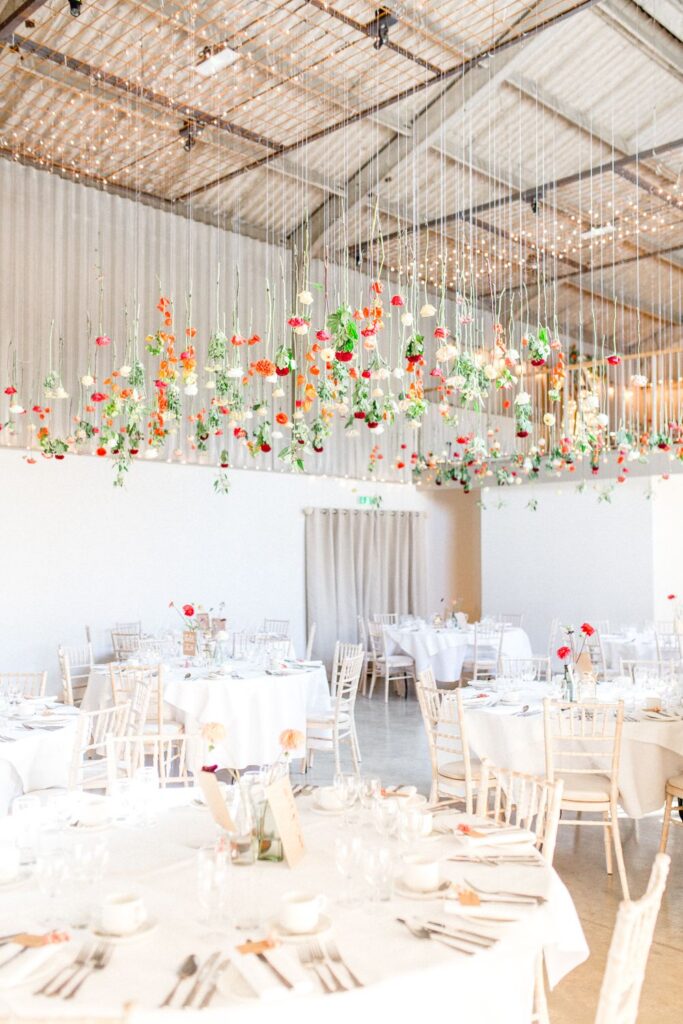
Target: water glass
[385, 817]
[348, 851]
[147, 785]
[213, 865]
[26, 810]
[410, 824]
[378, 870]
[51, 872]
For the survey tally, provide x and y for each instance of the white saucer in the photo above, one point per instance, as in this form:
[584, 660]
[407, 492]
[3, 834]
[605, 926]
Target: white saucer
[415, 894]
[323, 928]
[142, 932]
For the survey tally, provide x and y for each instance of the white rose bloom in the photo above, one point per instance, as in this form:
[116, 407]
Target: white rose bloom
[406, 319]
[602, 419]
[262, 410]
[305, 298]
[343, 409]
[382, 373]
[523, 398]
[398, 372]
[377, 393]
[327, 354]
[248, 415]
[61, 393]
[458, 381]
[549, 419]
[298, 415]
[490, 372]
[191, 378]
[272, 378]
[235, 372]
[303, 329]
[125, 371]
[16, 407]
[190, 389]
[210, 385]
[87, 381]
[444, 407]
[513, 355]
[427, 310]
[369, 344]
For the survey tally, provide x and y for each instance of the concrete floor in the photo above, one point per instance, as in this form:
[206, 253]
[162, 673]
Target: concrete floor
[393, 747]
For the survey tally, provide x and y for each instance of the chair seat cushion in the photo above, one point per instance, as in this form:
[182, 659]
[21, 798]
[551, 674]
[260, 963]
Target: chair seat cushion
[396, 661]
[325, 722]
[675, 785]
[584, 787]
[456, 769]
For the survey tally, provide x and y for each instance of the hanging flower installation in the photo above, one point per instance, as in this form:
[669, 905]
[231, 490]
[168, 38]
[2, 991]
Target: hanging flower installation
[364, 367]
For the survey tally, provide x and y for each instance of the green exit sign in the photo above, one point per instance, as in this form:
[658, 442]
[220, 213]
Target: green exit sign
[370, 500]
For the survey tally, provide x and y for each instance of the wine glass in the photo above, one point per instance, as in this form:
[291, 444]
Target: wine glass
[213, 863]
[347, 856]
[378, 870]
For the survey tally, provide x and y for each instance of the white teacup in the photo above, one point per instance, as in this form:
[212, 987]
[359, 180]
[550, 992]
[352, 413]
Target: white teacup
[10, 859]
[328, 798]
[300, 912]
[420, 873]
[122, 914]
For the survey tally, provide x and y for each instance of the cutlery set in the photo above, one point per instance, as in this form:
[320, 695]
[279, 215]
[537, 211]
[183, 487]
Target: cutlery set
[88, 960]
[464, 940]
[324, 961]
[206, 977]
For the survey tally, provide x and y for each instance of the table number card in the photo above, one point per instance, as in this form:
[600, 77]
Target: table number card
[208, 783]
[286, 816]
[189, 643]
[584, 663]
[203, 621]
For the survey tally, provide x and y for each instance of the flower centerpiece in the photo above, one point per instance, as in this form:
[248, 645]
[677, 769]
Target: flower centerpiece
[577, 661]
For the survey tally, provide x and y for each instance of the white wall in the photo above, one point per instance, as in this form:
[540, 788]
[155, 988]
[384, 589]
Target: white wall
[574, 557]
[75, 550]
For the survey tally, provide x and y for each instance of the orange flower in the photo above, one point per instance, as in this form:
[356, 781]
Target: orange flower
[264, 367]
[314, 371]
[191, 332]
[282, 418]
[42, 433]
[291, 739]
[300, 380]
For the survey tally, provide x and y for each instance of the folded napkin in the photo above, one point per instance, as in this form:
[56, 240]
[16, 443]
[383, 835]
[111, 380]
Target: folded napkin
[264, 982]
[15, 970]
[487, 835]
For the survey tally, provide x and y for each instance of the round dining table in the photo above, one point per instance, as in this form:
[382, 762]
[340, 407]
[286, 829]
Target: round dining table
[397, 975]
[36, 747]
[253, 704]
[510, 734]
[445, 649]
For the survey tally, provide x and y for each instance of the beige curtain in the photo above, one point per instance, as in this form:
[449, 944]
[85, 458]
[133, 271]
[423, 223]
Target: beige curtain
[359, 563]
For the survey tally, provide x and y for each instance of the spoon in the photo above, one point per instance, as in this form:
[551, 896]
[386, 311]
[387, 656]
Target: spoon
[186, 970]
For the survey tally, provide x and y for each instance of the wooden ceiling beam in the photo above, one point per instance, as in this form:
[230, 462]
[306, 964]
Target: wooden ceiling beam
[14, 12]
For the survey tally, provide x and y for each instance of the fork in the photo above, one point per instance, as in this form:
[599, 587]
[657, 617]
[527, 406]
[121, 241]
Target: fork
[82, 962]
[307, 960]
[321, 956]
[530, 897]
[338, 959]
[98, 963]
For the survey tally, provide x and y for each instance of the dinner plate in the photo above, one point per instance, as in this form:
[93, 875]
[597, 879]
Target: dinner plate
[401, 889]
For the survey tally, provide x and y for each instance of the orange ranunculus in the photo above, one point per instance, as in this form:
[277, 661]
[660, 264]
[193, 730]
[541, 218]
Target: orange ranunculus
[291, 739]
[191, 332]
[300, 380]
[282, 418]
[314, 371]
[43, 432]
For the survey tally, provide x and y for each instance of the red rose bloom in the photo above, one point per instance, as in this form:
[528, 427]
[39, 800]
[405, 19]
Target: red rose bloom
[103, 341]
[671, 597]
[188, 610]
[563, 652]
[323, 336]
[97, 396]
[614, 360]
[587, 629]
[10, 390]
[396, 300]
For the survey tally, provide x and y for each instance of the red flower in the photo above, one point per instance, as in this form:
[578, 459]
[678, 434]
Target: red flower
[614, 359]
[396, 300]
[441, 332]
[587, 629]
[160, 384]
[265, 447]
[10, 390]
[98, 396]
[296, 321]
[103, 341]
[671, 597]
[210, 768]
[377, 287]
[368, 332]
[323, 336]
[101, 451]
[563, 652]
[188, 610]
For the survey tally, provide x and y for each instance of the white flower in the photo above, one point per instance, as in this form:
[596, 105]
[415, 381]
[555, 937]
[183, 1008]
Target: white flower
[125, 371]
[87, 381]
[342, 409]
[272, 378]
[277, 434]
[190, 389]
[602, 419]
[235, 372]
[16, 407]
[406, 319]
[370, 344]
[248, 415]
[327, 354]
[549, 419]
[523, 398]
[210, 385]
[512, 355]
[382, 373]
[490, 372]
[305, 298]
[262, 410]
[377, 393]
[444, 407]
[191, 378]
[457, 381]
[398, 372]
[638, 380]
[301, 329]
[415, 424]
[61, 393]
[443, 353]
[427, 310]
[298, 415]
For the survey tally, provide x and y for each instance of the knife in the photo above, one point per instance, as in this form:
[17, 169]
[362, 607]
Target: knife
[281, 977]
[202, 975]
[211, 991]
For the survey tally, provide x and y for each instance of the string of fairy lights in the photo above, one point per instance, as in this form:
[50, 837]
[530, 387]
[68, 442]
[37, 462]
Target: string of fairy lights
[458, 284]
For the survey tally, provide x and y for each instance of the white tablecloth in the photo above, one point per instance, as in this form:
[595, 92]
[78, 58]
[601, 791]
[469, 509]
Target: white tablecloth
[34, 758]
[254, 709]
[651, 751]
[446, 650]
[405, 978]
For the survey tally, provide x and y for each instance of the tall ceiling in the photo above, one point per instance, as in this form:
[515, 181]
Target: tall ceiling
[535, 146]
